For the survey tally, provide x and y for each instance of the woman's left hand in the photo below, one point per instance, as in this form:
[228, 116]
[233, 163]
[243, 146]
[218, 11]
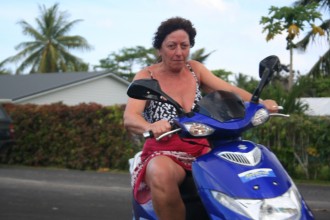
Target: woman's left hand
[270, 105]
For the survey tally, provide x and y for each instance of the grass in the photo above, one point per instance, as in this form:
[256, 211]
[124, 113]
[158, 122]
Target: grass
[314, 182]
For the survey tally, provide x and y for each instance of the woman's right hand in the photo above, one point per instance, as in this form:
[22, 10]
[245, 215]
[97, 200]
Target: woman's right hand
[159, 127]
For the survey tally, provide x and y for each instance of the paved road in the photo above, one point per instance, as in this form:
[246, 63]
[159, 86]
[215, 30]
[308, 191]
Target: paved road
[51, 194]
[46, 194]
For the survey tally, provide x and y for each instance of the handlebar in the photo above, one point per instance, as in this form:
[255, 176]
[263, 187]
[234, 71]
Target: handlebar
[279, 114]
[149, 134]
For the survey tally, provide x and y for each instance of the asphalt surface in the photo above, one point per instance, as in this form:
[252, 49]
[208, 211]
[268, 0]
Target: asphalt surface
[54, 194]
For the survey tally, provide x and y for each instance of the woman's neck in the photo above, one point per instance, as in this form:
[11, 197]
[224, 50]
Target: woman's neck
[167, 70]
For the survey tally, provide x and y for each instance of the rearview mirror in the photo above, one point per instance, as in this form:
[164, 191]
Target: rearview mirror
[267, 68]
[271, 63]
[149, 89]
[145, 89]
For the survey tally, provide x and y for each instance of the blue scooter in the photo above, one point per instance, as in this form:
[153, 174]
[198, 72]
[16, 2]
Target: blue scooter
[237, 179]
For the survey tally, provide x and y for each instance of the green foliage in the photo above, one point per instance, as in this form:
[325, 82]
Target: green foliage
[300, 142]
[246, 82]
[92, 137]
[125, 62]
[48, 52]
[222, 74]
[3, 70]
[291, 20]
[322, 66]
[316, 87]
[288, 99]
[199, 55]
[283, 18]
[277, 90]
[87, 136]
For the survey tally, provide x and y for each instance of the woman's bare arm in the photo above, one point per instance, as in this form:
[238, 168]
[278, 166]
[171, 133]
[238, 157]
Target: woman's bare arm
[210, 82]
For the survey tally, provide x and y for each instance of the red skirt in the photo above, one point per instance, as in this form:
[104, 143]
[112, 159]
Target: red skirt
[181, 151]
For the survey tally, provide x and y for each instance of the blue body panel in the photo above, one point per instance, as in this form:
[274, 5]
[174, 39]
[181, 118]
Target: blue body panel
[266, 179]
[213, 172]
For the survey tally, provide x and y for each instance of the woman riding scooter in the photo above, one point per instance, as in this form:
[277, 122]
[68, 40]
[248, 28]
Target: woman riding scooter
[164, 163]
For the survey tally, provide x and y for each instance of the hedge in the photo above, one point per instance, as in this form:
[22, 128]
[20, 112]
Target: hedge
[85, 137]
[91, 137]
[300, 142]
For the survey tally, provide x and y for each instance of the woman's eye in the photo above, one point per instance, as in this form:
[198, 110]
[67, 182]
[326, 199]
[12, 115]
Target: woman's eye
[171, 46]
[184, 46]
[174, 46]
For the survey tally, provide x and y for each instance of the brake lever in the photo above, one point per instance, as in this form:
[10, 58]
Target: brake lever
[279, 114]
[149, 134]
[168, 133]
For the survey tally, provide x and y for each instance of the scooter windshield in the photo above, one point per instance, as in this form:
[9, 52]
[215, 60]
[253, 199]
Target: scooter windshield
[222, 106]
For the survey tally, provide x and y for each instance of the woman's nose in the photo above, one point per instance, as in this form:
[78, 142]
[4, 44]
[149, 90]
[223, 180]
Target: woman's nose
[178, 50]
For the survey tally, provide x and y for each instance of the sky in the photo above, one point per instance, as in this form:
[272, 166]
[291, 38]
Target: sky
[230, 28]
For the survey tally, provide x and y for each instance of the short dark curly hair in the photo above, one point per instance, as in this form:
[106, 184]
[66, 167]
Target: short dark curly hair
[173, 24]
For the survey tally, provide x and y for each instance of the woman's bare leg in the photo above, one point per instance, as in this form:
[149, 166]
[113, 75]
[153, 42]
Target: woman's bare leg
[164, 176]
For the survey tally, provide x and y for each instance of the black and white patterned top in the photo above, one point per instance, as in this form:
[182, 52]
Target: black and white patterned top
[156, 111]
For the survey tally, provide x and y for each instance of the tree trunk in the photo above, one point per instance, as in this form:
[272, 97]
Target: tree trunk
[303, 165]
[290, 84]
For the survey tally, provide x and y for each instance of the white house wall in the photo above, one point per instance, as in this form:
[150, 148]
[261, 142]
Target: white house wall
[317, 106]
[105, 91]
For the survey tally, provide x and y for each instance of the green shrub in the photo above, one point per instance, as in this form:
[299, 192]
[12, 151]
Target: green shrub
[91, 136]
[86, 136]
[324, 173]
[300, 142]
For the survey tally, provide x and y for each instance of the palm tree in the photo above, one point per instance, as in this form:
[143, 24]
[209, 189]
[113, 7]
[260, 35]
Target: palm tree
[291, 20]
[49, 50]
[199, 55]
[322, 66]
[3, 70]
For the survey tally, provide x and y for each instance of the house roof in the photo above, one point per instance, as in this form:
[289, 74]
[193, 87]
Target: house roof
[319, 106]
[14, 87]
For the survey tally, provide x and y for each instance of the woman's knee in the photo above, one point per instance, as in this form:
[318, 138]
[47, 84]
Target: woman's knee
[163, 171]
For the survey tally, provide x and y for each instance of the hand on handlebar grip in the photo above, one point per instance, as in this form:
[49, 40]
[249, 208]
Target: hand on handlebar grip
[148, 134]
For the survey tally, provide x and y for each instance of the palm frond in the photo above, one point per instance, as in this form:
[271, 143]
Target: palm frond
[324, 4]
[48, 50]
[200, 56]
[322, 67]
[30, 31]
[29, 61]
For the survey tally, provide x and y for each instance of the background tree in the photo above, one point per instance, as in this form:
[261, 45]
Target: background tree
[277, 90]
[3, 70]
[322, 67]
[49, 50]
[200, 55]
[223, 74]
[246, 82]
[315, 86]
[292, 20]
[127, 61]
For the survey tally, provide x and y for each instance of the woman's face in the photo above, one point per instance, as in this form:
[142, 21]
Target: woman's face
[175, 49]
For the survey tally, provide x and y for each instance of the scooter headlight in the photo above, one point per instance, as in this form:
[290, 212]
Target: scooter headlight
[198, 129]
[286, 206]
[260, 117]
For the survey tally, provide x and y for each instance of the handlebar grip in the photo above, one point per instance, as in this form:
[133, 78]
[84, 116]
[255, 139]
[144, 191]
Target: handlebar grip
[148, 134]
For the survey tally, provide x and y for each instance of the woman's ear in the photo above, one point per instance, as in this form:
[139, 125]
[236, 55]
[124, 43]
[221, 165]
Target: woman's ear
[159, 56]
